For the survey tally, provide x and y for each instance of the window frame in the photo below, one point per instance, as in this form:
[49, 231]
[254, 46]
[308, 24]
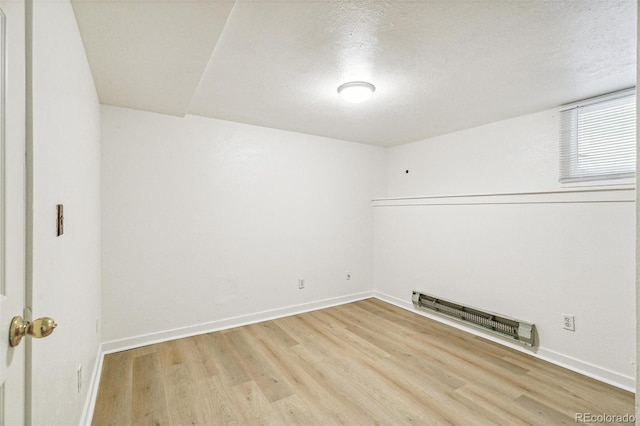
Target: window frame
[570, 171]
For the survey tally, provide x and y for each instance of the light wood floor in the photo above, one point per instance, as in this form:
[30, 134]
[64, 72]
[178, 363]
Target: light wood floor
[362, 363]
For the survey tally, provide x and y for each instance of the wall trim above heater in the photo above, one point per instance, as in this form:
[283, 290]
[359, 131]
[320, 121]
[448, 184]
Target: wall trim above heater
[521, 331]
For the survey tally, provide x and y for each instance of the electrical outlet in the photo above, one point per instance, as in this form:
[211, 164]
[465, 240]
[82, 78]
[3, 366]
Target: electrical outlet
[301, 283]
[568, 322]
[79, 377]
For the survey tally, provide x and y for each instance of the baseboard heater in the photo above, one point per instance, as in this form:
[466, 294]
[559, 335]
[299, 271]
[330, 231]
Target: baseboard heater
[498, 324]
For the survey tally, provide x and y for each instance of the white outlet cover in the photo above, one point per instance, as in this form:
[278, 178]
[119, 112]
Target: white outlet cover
[79, 377]
[568, 322]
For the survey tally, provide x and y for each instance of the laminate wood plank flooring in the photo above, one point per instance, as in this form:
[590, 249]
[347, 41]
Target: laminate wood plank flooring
[363, 363]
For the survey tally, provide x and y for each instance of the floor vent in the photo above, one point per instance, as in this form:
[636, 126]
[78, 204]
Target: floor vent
[519, 330]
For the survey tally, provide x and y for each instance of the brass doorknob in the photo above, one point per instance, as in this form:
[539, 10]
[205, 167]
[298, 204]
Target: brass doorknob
[42, 327]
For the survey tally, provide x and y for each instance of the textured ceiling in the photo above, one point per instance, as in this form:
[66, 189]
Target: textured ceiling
[439, 66]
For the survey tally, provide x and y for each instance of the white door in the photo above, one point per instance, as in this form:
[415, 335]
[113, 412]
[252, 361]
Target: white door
[12, 207]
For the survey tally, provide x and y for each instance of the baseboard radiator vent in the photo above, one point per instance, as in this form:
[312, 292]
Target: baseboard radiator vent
[498, 324]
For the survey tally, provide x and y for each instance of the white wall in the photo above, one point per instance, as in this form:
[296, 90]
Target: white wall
[207, 222]
[66, 269]
[515, 155]
[532, 257]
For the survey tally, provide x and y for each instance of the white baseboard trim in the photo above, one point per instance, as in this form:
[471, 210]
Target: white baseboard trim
[582, 367]
[223, 324]
[570, 363]
[92, 392]
[179, 333]
[587, 369]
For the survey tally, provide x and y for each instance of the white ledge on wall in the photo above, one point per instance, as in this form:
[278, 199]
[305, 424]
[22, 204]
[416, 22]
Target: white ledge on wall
[599, 195]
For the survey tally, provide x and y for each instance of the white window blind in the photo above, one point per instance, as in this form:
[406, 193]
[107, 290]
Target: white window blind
[598, 140]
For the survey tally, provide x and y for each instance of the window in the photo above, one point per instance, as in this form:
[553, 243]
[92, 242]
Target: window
[598, 139]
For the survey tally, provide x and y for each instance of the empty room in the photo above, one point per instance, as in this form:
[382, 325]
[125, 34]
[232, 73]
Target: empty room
[318, 212]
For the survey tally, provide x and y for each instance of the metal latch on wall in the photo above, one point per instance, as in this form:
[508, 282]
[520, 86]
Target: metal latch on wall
[60, 221]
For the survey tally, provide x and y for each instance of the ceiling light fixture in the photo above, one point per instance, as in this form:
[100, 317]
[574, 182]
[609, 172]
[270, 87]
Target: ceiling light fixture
[356, 91]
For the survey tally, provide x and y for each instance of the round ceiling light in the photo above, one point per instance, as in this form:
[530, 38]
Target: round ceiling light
[356, 91]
